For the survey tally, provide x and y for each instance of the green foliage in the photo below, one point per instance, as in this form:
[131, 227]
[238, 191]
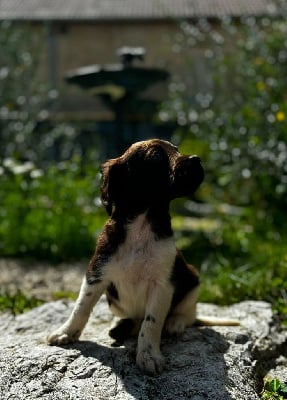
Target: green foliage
[17, 303]
[238, 125]
[48, 207]
[64, 294]
[243, 135]
[22, 96]
[274, 389]
[26, 129]
[50, 214]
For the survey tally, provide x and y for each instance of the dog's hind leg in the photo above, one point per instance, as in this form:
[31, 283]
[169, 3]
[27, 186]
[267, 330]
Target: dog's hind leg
[183, 314]
[71, 330]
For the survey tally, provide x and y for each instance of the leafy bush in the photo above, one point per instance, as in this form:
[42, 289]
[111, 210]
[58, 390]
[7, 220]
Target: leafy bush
[238, 127]
[22, 94]
[242, 137]
[27, 131]
[50, 214]
[48, 207]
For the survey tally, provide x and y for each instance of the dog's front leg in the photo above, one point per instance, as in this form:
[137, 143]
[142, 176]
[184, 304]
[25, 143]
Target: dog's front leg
[149, 357]
[71, 330]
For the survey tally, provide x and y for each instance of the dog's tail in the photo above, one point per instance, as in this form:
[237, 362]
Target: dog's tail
[215, 321]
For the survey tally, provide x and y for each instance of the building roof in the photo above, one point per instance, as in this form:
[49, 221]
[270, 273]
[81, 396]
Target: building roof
[43, 10]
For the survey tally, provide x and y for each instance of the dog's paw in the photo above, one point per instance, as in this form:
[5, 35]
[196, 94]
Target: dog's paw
[61, 337]
[150, 363]
[175, 325]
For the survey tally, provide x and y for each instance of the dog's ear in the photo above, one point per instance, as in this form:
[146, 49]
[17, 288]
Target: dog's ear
[113, 177]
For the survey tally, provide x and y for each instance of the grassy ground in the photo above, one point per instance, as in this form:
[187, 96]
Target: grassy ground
[238, 257]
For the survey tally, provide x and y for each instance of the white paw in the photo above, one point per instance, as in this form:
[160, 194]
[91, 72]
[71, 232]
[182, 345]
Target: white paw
[62, 336]
[149, 362]
[175, 325]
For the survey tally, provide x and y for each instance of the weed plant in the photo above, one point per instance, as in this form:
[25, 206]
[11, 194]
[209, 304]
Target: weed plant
[274, 389]
[18, 302]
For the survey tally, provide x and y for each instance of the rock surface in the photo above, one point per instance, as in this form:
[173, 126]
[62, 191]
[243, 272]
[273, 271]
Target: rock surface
[41, 279]
[218, 363]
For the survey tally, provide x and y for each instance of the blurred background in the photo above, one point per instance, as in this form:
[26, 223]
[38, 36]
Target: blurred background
[82, 80]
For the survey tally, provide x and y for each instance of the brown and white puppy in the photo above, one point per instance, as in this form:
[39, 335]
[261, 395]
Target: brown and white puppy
[146, 279]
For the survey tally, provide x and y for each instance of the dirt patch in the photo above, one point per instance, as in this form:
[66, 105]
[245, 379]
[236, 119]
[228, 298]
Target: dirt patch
[42, 280]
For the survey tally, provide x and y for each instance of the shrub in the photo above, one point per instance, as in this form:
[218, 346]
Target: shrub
[238, 127]
[50, 214]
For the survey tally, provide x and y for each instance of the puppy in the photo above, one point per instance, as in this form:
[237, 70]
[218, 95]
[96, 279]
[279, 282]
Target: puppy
[146, 279]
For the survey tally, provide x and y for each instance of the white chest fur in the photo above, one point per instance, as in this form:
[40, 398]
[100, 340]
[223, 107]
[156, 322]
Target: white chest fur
[141, 262]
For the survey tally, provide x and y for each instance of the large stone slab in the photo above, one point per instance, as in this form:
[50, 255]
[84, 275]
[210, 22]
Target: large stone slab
[213, 363]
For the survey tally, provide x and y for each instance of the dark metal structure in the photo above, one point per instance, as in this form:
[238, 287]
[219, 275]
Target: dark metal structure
[120, 87]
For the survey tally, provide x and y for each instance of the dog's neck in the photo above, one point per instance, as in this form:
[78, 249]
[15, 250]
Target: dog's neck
[157, 215]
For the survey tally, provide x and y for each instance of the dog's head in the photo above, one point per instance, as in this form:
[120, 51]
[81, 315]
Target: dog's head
[148, 173]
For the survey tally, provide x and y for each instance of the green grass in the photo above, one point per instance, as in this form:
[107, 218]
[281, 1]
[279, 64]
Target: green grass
[18, 302]
[236, 259]
[64, 294]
